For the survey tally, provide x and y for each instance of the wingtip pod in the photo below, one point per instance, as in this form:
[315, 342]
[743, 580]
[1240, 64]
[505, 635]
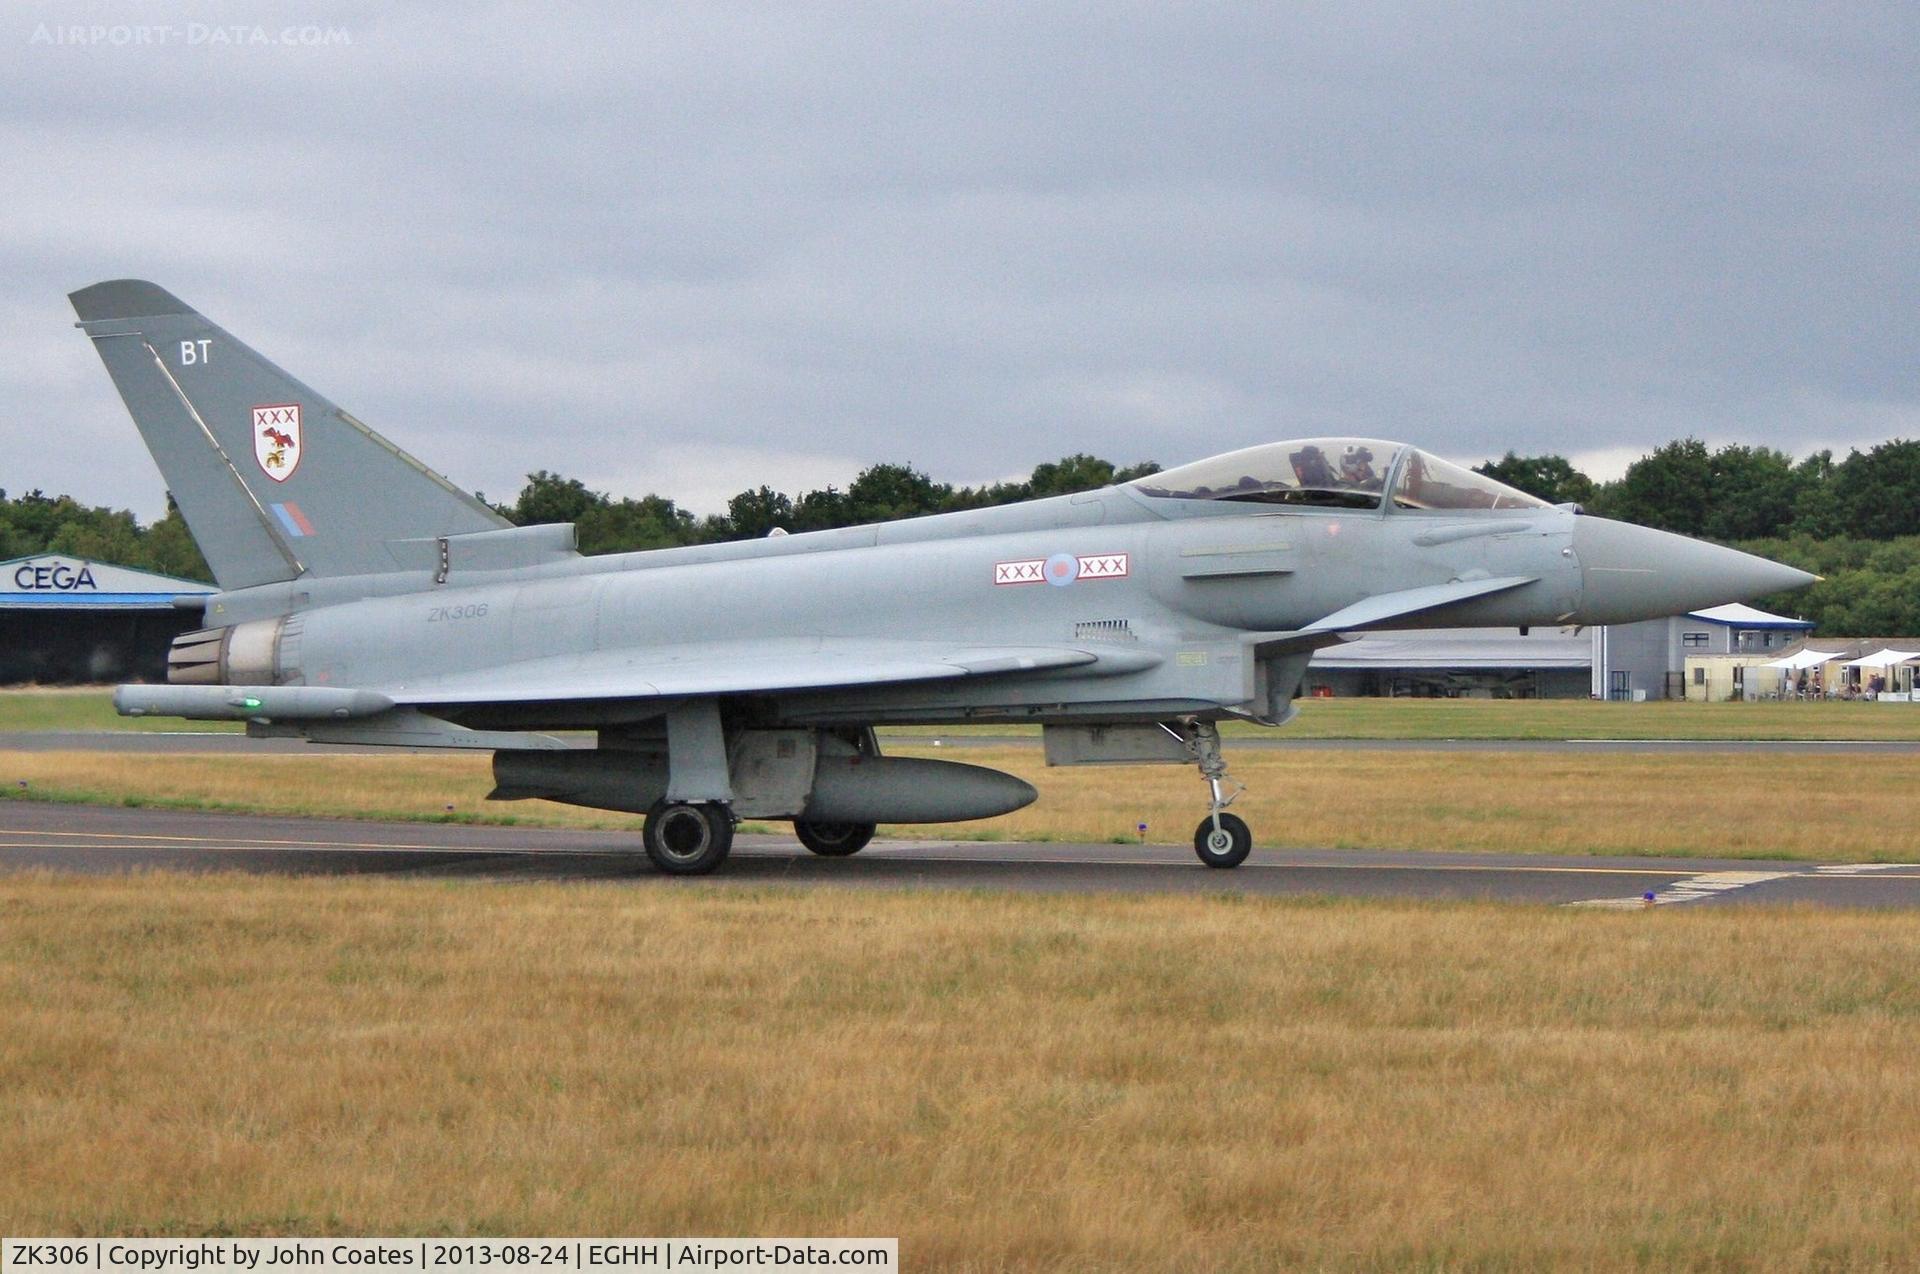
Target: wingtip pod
[125, 299]
[249, 703]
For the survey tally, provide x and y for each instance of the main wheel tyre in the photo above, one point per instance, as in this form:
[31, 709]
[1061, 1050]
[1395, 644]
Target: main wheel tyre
[1225, 846]
[833, 840]
[688, 840]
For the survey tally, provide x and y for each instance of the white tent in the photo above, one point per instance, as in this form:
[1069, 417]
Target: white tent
[1802, 659]
[1887, 658]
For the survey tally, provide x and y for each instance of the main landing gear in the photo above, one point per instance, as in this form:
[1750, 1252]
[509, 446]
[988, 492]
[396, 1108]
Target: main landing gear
[1222, 839]
[833, 840]
[688, 839]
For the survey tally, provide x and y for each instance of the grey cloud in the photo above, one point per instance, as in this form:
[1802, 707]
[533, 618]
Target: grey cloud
[595, 238]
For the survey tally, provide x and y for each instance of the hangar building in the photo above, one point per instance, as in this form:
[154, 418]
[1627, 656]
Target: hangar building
[1542, 663]
[66, 619]
[1647, 660]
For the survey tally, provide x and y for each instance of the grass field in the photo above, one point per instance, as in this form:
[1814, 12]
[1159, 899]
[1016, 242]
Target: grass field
[83, 708]
[1005, 1082]
[1844, 807]
[1587, 719]
[91, 709]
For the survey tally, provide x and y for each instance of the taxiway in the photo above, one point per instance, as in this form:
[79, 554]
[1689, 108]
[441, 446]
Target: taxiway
[110, 839]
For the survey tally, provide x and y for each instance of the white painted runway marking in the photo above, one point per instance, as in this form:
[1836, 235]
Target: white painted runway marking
[1710, 885]
[1733, 743]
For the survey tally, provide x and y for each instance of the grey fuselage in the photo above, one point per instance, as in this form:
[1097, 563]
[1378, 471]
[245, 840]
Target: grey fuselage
[1199, 577]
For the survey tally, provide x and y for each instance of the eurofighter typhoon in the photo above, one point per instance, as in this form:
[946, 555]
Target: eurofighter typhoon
[364, 599]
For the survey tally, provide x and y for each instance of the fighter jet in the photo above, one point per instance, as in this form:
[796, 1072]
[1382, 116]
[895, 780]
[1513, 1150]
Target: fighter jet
[365, 599]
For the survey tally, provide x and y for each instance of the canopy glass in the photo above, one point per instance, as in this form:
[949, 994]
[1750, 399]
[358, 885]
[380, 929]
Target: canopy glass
[1344, 473]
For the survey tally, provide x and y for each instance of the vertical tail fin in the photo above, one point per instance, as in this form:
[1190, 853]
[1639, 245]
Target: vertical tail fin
[273, 480]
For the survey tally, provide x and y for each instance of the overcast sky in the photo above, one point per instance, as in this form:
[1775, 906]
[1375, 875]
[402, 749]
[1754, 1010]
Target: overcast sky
[697, 248]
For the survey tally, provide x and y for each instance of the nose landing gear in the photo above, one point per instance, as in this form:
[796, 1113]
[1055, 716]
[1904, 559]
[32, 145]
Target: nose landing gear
[1222, 839]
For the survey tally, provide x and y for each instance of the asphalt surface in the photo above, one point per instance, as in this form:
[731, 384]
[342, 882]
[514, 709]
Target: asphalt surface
[107, 839]
[203, 742]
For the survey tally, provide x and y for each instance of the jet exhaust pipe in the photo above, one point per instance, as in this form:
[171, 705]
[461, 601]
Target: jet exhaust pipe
[841, 789]
[243, 654]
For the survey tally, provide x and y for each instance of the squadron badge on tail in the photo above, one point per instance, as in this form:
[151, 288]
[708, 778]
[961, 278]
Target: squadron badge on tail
[276, 439]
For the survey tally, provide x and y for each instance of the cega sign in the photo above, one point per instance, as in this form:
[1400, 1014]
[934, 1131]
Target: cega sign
[54, 577]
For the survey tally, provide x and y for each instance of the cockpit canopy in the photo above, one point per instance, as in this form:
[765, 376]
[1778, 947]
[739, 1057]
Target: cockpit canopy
[1340, 473]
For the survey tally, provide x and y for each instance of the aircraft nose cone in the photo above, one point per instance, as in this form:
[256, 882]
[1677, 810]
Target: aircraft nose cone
[1632, 572]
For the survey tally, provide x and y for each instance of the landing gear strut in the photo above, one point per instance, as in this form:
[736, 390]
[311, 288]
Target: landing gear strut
[1222, 839]
[688, 839]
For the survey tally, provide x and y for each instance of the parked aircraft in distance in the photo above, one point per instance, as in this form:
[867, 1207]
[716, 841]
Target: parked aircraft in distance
[365, 599]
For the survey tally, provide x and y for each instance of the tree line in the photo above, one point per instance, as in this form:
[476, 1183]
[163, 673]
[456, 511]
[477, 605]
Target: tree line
[880, 493]
[1855, 520]
[1741, 493]
[37, 523]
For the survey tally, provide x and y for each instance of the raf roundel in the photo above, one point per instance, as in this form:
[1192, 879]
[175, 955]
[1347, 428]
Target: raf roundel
[276, 439]
[1061, 569]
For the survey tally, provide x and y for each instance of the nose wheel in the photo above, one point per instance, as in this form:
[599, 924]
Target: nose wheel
[1222, 839]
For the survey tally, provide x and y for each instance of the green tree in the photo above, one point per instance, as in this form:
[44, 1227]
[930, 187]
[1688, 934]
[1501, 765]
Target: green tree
[171, 550]
[821, 510]
[886, 491]
[37, 517]
[1755, 491]
[1876, 494]
[1814, 512]
[627, 526]
[548, 497]
[114, 537]
[1670, 489]
[1067, 476]
[1869, 588]
[1070, 475]
[1550, 478]
[752, 514]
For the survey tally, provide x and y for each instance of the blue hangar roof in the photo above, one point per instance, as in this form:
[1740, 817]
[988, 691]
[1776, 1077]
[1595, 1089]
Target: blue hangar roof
[53, 582]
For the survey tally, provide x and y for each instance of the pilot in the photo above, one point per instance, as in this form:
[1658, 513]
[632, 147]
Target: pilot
[1310, 467]
[1356, 469]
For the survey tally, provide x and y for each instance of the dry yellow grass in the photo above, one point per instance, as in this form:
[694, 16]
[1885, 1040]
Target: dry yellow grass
[1799, 806]
[90, 708]
[1843, 807]
[1006, 1082]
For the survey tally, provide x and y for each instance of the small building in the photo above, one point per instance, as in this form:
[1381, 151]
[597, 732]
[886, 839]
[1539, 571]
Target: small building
[1724, 678]
[66, 619]
[1651, 659]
